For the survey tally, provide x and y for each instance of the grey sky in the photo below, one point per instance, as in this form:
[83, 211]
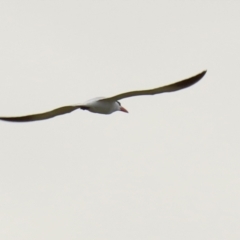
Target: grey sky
[167, 170]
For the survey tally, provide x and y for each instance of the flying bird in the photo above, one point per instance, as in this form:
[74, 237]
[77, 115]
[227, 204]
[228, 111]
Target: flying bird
[106, 105]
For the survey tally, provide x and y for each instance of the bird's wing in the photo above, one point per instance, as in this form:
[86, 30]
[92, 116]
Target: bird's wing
[42, 116]
[168, 88]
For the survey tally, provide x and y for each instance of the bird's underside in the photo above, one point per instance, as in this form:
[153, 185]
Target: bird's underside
[106, 105]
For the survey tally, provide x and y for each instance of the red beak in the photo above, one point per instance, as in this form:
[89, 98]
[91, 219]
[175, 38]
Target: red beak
[123, 109]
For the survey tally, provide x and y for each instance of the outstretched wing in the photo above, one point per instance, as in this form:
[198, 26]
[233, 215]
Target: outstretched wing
[169, 88]
[42, 116]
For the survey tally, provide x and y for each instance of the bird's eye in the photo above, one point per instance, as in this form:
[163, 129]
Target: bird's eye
[119, 103]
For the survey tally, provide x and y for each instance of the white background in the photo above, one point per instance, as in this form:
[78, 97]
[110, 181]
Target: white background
[170, 169]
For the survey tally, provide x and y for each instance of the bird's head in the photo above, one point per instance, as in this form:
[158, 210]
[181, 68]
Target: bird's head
[120, 107]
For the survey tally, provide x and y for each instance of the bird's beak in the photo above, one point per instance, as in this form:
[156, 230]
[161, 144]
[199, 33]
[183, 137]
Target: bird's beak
[123, 109]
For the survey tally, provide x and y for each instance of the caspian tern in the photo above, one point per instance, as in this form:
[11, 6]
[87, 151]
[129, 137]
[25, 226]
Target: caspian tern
[107, 105]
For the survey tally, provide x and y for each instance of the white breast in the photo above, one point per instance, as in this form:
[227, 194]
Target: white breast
[102, 107]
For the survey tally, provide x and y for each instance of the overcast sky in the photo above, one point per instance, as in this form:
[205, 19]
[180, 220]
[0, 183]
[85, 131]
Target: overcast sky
[167, 170]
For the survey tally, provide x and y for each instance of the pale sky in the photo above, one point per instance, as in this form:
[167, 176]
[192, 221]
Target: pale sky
[170, 169]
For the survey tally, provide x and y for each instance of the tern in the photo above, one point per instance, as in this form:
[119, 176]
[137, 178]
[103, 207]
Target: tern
[106, 105]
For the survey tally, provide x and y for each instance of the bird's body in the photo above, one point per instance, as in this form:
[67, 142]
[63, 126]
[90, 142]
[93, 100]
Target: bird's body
[106, 105]
[95, 106]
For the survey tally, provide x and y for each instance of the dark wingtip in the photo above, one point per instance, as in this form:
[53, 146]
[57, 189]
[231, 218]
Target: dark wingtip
[15, 119]
[202, 73]
[189, 82]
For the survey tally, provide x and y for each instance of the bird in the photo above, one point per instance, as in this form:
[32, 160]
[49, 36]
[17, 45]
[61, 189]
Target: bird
[107, 105]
